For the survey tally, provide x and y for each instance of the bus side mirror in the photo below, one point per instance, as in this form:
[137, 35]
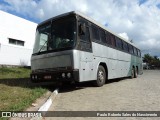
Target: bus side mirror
[82, 29]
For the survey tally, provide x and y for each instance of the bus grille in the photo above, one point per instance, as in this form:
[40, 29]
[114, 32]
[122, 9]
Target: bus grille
[52, 69]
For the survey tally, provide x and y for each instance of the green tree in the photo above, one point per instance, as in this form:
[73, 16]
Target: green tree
[147, 58]
[153, 61]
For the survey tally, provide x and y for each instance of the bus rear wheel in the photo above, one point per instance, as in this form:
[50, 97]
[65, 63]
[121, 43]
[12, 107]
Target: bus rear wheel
[135, 73]
[132, 73]
[101, 76]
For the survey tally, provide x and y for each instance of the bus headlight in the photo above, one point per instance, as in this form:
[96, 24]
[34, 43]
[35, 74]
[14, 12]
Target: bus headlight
[68, 75]
[63, 75]
[35, 76]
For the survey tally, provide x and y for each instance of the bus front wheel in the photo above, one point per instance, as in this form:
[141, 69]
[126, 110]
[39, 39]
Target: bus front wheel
[101, 76]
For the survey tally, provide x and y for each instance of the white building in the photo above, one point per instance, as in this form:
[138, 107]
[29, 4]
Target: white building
[17, 37]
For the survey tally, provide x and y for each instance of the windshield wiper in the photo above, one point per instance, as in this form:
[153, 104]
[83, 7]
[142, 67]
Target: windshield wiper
[42, 46]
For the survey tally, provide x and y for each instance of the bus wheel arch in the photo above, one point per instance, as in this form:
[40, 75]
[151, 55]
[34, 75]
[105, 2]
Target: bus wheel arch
[102, 75]
[106, 69]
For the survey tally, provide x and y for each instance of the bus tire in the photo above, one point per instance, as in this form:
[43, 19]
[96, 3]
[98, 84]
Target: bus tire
[135, 73]
[101, 76]
[132, 73]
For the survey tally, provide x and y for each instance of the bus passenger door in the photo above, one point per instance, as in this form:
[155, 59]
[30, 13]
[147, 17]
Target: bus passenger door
[86, 55]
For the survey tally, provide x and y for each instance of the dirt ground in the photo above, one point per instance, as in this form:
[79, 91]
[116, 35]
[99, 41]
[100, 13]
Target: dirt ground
[138, 94]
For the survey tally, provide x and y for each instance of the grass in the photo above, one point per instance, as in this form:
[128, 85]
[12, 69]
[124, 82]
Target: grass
[17, 92]
[16, 72]
[17, 98]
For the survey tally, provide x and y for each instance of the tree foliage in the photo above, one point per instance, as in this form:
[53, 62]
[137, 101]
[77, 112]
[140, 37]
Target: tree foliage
[153, 61]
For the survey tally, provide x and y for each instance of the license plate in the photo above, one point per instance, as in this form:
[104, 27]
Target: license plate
[47, 77]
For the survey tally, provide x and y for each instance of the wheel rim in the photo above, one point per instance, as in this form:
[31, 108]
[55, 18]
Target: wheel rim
[100, 76]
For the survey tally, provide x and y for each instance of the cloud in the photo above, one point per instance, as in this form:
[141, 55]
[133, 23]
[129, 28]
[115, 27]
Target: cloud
[124, 35]
[150, 44]
[138, 20]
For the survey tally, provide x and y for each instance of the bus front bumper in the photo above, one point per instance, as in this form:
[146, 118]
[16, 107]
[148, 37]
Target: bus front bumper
[56, 76]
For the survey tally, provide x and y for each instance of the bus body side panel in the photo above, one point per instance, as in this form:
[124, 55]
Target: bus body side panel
[83, 61]
[101, 53]
[135, 62]
[118, 62]
[123, 65]
[86, 66]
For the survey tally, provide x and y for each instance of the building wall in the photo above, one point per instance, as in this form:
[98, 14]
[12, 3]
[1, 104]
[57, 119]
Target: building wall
[19, 29]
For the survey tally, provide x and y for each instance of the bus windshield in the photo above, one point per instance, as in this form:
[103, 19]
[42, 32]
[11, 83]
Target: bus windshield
[59, 35]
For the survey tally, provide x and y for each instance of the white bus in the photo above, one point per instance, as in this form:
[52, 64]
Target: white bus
[72, 47]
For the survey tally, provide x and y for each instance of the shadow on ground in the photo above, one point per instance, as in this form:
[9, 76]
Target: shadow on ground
[77, 86]
[26, 83]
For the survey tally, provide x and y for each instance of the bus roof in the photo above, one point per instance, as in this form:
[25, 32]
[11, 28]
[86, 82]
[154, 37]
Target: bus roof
[89, 19]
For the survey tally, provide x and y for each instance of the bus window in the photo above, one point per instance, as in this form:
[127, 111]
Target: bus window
[118, 43]
[135, 51]
[125, 46]
[139, 53]
[112, 38]
[108, 39]
[95, 33]
[131, 49]
[87, 38]
[85, 43]
[103, 36]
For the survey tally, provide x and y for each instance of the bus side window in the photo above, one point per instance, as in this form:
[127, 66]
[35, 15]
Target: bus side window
[139, 53]
[135, 51]
[95, 33]
[131, 49]
[85, 36]
[102, 36]
[85, 42]
[118, 43]
[108, 39]
[125, 46]
[112, 38]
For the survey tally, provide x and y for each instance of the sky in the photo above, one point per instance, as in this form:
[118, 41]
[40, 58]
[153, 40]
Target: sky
[136, 20]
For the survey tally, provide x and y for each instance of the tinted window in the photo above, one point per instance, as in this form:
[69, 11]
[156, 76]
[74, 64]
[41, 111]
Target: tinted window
[85, 43]
[103, 36]
[131, 49]
[135, 51]
[112, 40]
[125, 46]
[95, 33]
[139, 53]
[118, 43]
[86, 36]
[108, 38]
